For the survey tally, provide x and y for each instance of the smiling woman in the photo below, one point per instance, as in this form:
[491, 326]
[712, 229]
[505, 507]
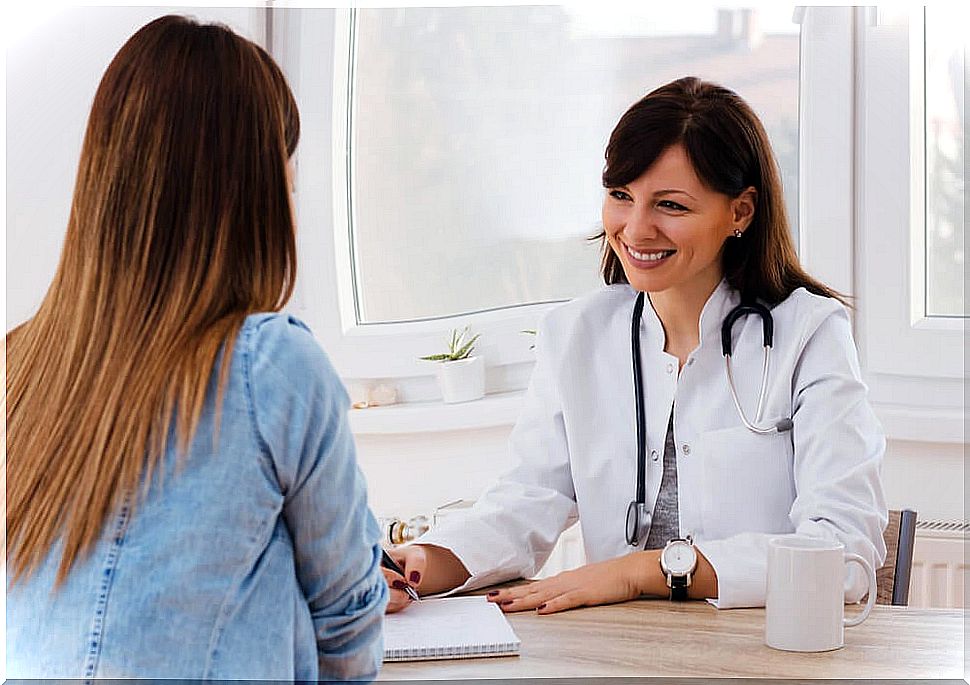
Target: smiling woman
[705, 173]
[697, 200]
[668, 236]
[694, 223]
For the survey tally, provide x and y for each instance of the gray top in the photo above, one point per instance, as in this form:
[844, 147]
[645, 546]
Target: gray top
[665, 524]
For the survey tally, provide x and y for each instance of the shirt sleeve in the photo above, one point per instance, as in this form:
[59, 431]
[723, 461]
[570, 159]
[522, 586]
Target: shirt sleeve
[838, 451]
[513, 527]
[300, 411]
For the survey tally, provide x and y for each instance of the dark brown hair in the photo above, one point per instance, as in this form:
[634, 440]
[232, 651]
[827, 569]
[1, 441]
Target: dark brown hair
[180, 226]
[729, 150]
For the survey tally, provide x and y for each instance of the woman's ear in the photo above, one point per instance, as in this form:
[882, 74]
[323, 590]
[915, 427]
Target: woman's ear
[742, 209]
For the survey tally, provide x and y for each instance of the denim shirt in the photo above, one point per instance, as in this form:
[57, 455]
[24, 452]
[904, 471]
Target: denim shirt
[257, 558]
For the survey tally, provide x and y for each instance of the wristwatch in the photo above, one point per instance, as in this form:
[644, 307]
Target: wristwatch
[678, 561]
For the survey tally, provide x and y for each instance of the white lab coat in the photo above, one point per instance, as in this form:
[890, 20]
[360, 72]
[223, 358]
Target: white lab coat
[574, 448]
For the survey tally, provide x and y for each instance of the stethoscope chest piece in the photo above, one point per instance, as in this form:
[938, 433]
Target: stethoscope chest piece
[638, 521]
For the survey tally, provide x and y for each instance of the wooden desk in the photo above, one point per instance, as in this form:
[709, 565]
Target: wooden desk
[660, 638]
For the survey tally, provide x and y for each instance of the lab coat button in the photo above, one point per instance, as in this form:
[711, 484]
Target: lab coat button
[670, 368]
[685, 448]
[654, 455]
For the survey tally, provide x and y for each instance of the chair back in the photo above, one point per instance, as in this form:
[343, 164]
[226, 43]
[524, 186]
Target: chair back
[892, 578]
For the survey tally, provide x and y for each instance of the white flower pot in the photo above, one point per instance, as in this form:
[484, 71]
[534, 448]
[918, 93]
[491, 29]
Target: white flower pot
[462, 380]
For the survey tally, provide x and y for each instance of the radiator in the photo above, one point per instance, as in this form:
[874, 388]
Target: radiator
[939, 577]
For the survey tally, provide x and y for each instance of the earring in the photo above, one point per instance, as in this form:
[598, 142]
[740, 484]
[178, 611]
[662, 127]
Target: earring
[737, 233]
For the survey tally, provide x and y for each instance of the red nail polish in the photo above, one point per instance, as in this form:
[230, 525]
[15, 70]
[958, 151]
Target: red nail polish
[507, 601]
[398, 585]
[493, 593]
[541, 606]
[415, 577]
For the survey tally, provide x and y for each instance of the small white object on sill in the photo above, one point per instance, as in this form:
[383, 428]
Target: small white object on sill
[380, 395]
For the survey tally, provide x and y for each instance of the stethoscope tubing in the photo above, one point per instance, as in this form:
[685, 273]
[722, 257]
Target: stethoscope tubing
[761, 396]
[641, 425]
[636, 512]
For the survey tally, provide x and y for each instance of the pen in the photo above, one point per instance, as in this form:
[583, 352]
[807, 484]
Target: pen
[388, 562]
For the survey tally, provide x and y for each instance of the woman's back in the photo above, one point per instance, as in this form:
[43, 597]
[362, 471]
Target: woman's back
[239, 563]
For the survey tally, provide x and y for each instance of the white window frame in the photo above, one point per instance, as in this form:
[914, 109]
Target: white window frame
[314, 55]
[914, 364]
[825, 144]
[318, 55]
[860, 243]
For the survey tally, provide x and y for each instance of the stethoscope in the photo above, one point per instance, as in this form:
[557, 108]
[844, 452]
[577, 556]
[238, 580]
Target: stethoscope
[637, 516]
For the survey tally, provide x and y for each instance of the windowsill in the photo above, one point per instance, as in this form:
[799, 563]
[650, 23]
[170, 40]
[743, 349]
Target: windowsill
[497, 409]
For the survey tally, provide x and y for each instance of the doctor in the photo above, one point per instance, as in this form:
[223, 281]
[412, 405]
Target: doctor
[693, 224]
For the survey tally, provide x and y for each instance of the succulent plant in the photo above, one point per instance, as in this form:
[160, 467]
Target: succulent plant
[458, 348]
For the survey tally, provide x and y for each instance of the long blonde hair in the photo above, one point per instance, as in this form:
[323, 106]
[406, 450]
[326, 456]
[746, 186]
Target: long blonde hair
[180, 226]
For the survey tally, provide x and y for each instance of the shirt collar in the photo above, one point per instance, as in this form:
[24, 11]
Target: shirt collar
[718, 305]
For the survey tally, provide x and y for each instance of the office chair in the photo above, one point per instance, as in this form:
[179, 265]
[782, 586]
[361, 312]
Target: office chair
[892, 578]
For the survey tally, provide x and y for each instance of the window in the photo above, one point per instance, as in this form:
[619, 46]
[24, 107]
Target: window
[477, 138]
[357, 227]
[945, 84]
[910, 234]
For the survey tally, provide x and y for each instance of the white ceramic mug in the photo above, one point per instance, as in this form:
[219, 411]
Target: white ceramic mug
[805, 599]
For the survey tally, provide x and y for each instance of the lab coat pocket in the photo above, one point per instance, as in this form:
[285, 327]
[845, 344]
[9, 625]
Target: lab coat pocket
[748, 482]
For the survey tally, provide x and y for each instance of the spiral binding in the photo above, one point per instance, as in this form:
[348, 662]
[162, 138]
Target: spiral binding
[452, 652]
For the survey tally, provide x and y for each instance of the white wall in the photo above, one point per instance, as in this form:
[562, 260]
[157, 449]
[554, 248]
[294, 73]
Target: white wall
[52, 72]
[54, 64]
[398, 467]
[927, 477]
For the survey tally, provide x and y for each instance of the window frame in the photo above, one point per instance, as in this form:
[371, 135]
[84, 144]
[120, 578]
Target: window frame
[916, 383]
[316, 60]
[368, 351]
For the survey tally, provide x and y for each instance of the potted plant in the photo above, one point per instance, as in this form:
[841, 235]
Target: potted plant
[461, 376]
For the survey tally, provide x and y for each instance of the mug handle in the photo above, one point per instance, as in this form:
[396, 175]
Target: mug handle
[850, 557]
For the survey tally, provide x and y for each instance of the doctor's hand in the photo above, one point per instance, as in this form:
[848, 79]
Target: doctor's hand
[606, 582]
[399, 599]
[427, 568]
[615, 580]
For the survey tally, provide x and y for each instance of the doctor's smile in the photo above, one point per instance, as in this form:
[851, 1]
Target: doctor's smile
[647, 258]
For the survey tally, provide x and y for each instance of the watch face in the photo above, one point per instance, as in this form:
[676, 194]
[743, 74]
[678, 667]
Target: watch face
[680, 558]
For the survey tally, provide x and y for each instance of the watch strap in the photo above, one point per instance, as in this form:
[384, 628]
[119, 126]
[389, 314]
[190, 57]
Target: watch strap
[678, 588]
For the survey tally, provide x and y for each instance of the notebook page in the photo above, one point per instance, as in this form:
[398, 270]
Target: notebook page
[448, 628]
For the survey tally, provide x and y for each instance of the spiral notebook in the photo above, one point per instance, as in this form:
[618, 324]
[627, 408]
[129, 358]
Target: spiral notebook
[448, 628]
